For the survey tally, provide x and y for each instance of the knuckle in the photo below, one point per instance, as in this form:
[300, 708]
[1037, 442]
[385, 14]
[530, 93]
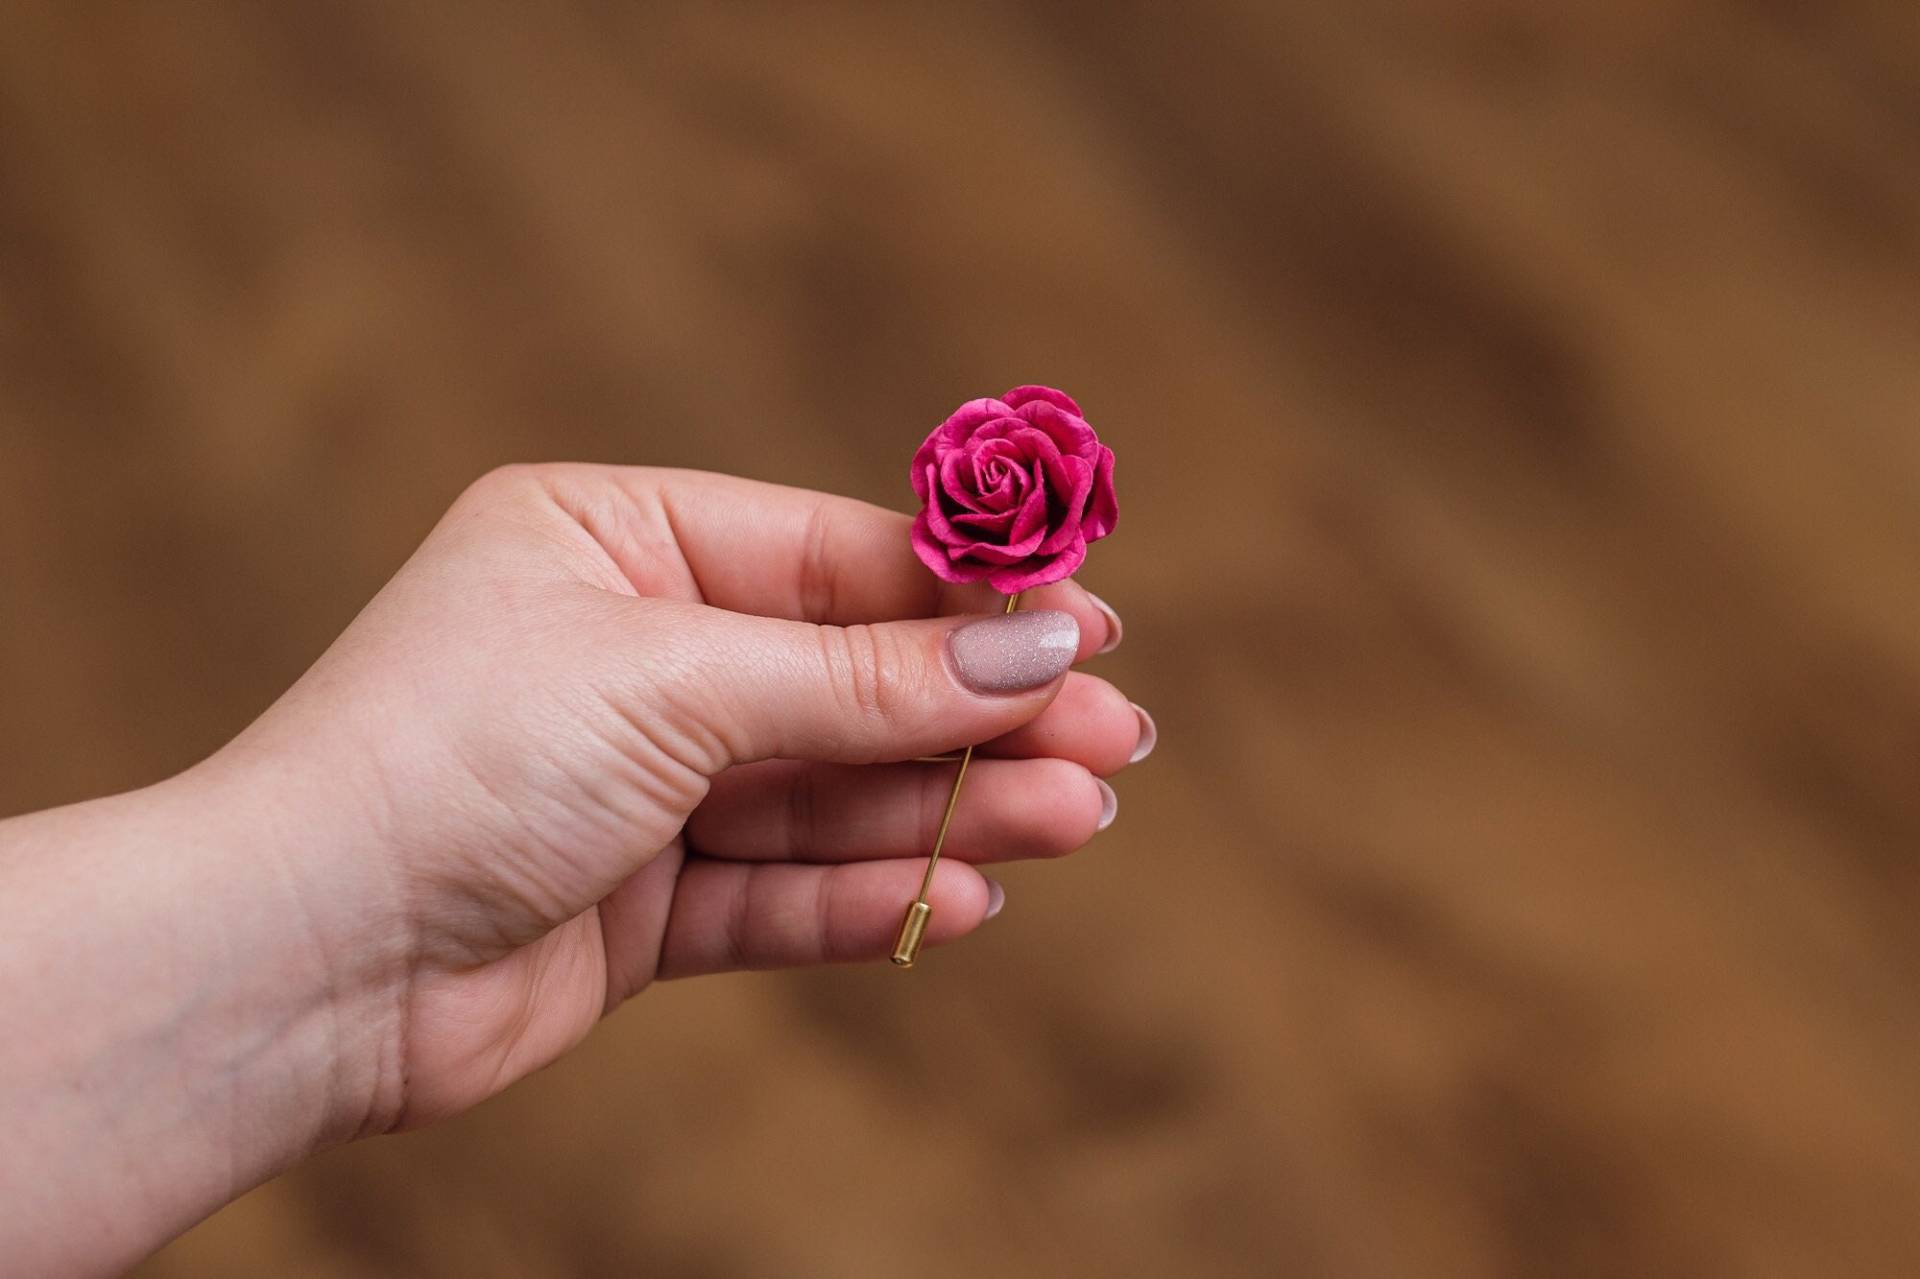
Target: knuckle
[803, 816]
[510, 482]
[818, 585]
[826, 938]
[870, 675]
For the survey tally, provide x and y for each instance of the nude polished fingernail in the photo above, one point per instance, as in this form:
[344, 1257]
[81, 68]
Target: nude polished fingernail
[1149, 735]
[996, 897]
[1014, 652]
[1114, 628]
[1109, 804]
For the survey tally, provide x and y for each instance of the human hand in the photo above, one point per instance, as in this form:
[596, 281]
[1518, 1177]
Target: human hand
[610, 725]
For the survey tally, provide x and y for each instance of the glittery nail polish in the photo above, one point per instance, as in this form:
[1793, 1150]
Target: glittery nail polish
[1015, 652]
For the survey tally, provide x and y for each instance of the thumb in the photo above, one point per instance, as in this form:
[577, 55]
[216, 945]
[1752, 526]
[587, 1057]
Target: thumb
[764, 688]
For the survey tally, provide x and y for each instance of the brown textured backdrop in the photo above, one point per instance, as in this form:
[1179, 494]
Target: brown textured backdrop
[1519, 415]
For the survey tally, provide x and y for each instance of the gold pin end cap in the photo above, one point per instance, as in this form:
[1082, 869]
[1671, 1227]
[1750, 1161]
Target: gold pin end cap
[913, 931]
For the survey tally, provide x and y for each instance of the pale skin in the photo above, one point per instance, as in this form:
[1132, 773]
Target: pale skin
[607, 726]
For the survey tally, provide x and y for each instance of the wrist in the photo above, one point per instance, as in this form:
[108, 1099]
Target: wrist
[301, 896]
[188, 1016]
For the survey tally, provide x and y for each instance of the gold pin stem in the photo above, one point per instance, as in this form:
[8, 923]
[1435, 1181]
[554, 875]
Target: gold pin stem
[913, 929]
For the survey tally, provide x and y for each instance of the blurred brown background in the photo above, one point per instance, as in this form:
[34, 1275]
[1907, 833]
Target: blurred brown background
[1519, 423]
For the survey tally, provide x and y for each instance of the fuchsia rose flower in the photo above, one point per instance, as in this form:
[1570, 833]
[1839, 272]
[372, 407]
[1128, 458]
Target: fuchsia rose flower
[1012, 490]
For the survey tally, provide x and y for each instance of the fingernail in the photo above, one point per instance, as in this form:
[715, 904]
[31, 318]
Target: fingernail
[1109, 804]
[1113, 624]
[996, 898]
[1015, 652]
[1148, 734]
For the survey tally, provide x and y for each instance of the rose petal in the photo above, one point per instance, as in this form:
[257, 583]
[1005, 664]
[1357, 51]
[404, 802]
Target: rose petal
[965, 421]
[1001, 475]
[1075, 477]
[1028, 394]
[997, 499]
[998, 554]
[926, 456]
[1040, 572]
[997, 523]
[956, 484]
[1016, 546]
[1069, 432]
[1031, 522]
[1035, 445]
[999, 479]
[938, 521]
[934, 555]
[952, 433]
[1103, 508]
[968, 571]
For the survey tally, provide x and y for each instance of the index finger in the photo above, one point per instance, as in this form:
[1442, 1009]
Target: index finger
[777, 551]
